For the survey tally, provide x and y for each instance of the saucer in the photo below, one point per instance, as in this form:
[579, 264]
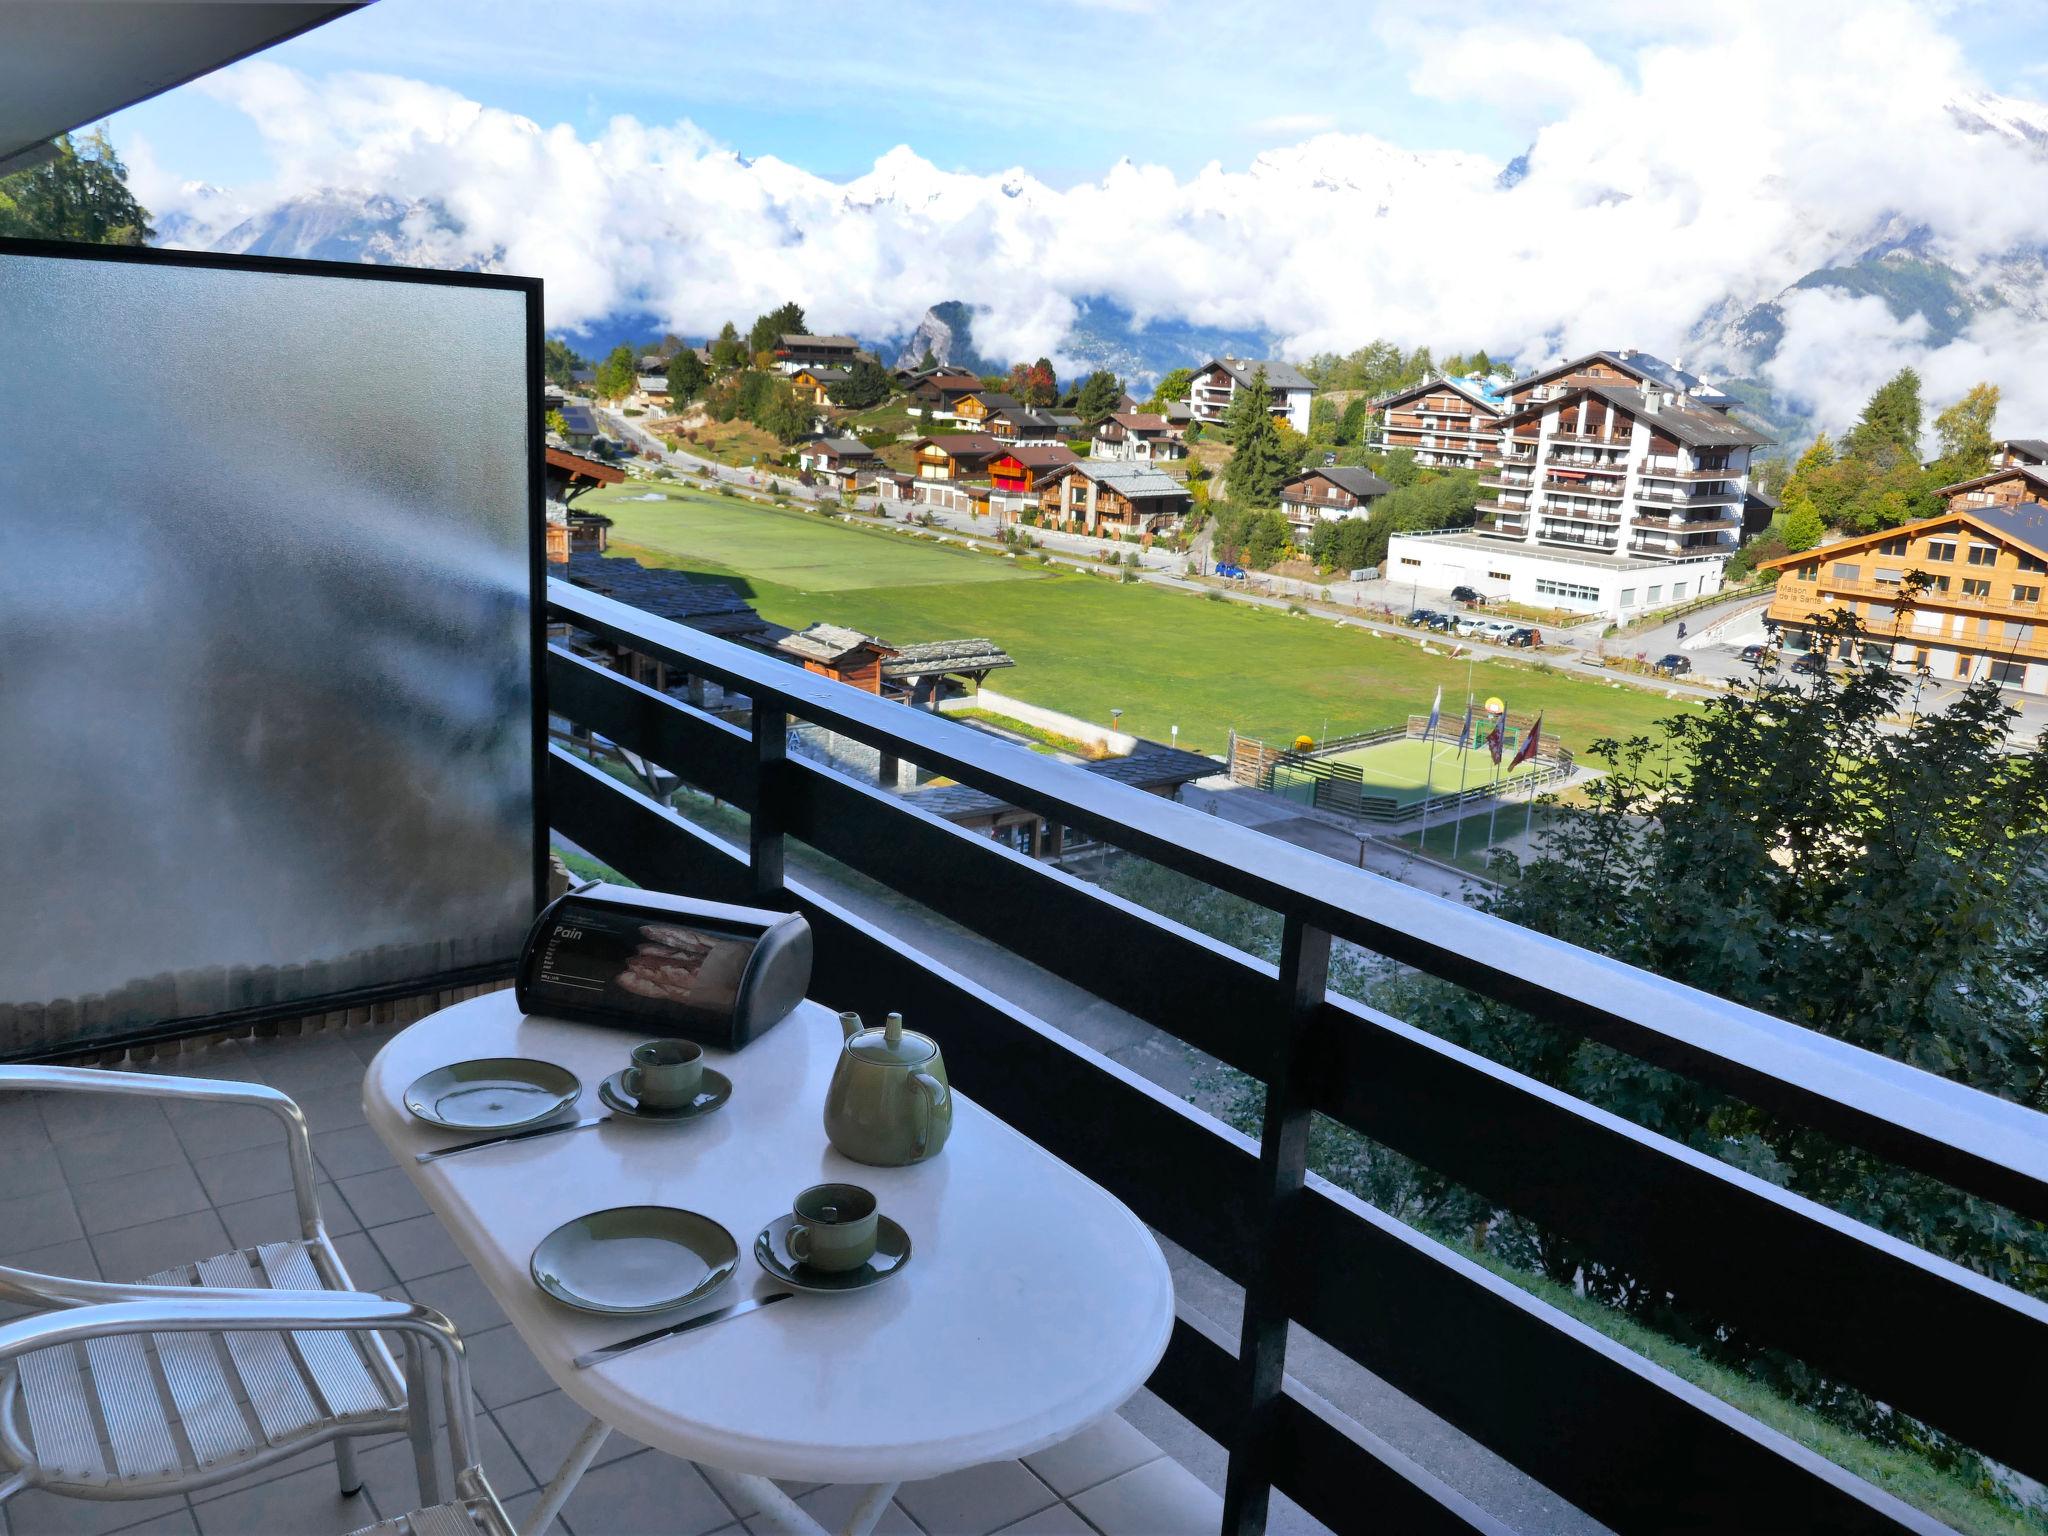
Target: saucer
[712, 1092]
[771, 1252]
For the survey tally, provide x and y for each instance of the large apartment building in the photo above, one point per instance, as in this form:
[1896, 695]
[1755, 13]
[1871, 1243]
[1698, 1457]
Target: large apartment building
[1445, 423]
[1980, 615]
[1217, 382]
[1628, 469]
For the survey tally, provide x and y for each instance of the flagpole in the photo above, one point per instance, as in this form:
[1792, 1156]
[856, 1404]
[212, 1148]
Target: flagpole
[1464, 762]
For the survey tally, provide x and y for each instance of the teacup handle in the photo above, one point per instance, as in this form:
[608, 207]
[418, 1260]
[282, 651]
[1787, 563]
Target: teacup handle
[799, 1241]
[631, 1080]
[932, 1092]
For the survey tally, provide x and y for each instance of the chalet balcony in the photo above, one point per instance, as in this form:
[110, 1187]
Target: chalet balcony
[1328, 1364]
[1705, 494]
[1574, 538]
[1564, 512]
[1655, 471]
[1578, 483]
[1680, 520]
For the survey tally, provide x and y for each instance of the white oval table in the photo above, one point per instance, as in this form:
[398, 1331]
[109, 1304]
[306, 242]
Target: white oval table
[1033, 1304]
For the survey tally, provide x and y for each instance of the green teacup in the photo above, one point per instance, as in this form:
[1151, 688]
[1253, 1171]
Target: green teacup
[834, 1228]
[666, 1074]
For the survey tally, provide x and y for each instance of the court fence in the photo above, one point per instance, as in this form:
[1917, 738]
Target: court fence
[1317, 776]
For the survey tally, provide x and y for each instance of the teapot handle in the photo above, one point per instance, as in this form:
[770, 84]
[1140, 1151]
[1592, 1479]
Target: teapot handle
[933, 1095]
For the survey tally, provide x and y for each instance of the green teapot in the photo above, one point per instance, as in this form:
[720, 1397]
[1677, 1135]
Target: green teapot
[889, 1103]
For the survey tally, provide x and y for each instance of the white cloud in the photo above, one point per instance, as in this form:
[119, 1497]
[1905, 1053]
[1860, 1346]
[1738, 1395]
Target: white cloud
[1667, 175]
[1291, 124]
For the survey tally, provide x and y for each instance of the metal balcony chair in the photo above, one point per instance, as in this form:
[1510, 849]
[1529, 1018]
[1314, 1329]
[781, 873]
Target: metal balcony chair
[122, 1409]
[241, 1404]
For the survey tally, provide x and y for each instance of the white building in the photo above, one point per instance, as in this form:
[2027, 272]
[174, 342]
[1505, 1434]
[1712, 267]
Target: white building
[1217, 382]
[1427, 565]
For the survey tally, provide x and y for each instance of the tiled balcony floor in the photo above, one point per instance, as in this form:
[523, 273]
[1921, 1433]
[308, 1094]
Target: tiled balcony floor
[115, 1188]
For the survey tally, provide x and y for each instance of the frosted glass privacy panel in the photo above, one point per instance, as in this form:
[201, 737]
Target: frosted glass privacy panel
[265, 639]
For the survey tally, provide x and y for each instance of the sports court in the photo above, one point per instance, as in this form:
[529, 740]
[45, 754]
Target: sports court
[1395, 776]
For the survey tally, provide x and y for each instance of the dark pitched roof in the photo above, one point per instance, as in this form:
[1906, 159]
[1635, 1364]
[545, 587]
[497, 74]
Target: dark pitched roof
[1153, 765]
[1279, 375]
[2033, 447]
[2035, 476]
[834, 343]
[710, 606]
[581, 466]
[2024, 522]
[1359, 482]
[1640, 365]
[579, 418]
[964, 445]
[842, 448]
[1137, 421]
[996, 400]
[1041, 455]
[937, 657]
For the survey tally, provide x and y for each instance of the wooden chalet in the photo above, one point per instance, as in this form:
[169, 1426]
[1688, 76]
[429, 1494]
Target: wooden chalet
[844, 655]
[813, 386]
[1329, 495]
[710, 607]
[1022, 424]
[939, 394]
[1625, 366]
[975, 407]
[1443, 423]
[837, 459]
[1022, 467]
[567, 475]
[2022, 450]
[796, 352]
[1113, 499]
[1134, 437]
[2006, 486]
[1979, 617]
[954, 455]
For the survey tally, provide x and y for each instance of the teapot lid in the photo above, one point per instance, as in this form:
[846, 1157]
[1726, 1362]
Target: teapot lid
[892, 1044]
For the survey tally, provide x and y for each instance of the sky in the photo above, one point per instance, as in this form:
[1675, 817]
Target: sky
[1326, 173]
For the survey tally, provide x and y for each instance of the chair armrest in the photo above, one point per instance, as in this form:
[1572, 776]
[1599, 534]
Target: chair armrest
[198, 1090]
[246, 1311]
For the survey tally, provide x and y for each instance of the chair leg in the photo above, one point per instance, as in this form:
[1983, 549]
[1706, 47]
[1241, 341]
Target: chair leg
[345, 1463]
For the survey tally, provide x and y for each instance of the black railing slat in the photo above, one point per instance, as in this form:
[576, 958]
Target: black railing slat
[1878, 1313]
[715, 757]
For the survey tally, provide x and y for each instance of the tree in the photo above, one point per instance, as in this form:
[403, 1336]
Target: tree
[783, 320]
[687, 376]
[727, 350]
[1171, 387]
[1890, 425]
[1259, 465]
[928, 362]
[1322, 422]
[866, 384]
[557, 423]
[1802, 528]
[81, 194]
[1351, 425]
[781, 413]
[1034, 384]
[617, 373]
[560, 362]
[1098, 395]
[1964, 430]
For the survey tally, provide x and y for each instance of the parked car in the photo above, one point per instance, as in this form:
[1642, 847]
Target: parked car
[1225, 568]
[1812, 663]
[1442, 623]
[1525, 635]
[1498, 630]
[1674, 663]
[1753, 654]
[1468, 624]
[1466, 595]
[1421, 615]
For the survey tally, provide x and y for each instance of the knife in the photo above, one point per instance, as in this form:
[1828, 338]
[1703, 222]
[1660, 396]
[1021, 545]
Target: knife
[701, 1320]
[499, 1141]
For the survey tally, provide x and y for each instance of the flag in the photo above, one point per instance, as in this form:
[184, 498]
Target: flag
[1494, 739]
[1465, 730]
[1528, 747]
[1436, 711]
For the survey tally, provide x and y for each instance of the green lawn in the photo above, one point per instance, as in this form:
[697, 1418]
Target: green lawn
[1085, 644]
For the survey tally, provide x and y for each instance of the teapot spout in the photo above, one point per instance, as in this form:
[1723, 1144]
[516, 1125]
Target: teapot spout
[849, 1025]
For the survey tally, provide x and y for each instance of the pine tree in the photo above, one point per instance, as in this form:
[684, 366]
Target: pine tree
[783, 320]
[686, 376]
[928, 362]
[728, 351]
[1098, 395]
[615, 375]
[1890, 425]
[1258, 465]
[1802, 529]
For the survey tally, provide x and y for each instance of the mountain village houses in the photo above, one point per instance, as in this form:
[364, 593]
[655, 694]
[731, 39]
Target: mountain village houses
[1615, 484]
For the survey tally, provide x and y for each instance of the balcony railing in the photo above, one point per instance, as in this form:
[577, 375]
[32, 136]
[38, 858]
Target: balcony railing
[1625, 1441]
[1649, 468]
